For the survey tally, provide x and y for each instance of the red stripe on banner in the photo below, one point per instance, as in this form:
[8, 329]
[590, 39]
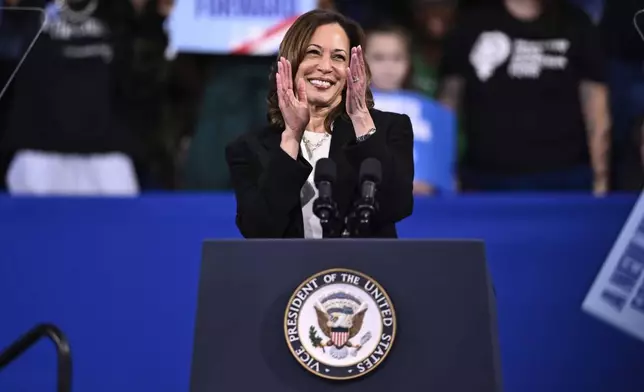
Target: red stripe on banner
[247, 47]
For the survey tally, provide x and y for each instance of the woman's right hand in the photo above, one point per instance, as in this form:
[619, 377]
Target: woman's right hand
[295, 109]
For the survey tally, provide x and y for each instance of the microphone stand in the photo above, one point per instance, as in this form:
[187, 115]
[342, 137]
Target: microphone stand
[361, 218]
[327, 211]
[357, 224]
[346, 228]
[328, 230]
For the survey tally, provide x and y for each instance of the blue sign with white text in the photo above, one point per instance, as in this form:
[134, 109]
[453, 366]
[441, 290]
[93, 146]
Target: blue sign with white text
[434, 136]
[617, 295]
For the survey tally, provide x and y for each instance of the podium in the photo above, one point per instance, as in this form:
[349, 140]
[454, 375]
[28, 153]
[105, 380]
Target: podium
[345, 315]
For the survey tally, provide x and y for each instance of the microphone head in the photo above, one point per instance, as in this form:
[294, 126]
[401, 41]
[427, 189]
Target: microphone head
[325, 170]
[371, 170]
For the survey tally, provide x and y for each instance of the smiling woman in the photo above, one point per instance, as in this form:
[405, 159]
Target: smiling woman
[320, 106]
[316, 37]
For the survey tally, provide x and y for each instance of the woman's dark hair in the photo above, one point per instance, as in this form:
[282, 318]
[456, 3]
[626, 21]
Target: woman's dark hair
[293, 48]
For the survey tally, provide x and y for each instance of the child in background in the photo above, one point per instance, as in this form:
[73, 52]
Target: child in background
[388, 54]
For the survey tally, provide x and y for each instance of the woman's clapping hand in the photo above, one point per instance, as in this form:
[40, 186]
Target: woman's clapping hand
[294, 107]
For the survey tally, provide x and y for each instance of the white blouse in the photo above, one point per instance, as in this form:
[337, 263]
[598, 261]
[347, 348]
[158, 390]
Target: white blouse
[314, 146]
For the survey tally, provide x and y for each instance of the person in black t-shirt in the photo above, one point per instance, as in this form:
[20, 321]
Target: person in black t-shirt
[529, 78]
[68, 127]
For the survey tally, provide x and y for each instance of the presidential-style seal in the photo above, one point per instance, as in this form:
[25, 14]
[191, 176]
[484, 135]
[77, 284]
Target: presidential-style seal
[340, 324]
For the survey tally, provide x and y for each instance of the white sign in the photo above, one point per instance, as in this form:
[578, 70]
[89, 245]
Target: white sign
[617, 295]
[246, 27]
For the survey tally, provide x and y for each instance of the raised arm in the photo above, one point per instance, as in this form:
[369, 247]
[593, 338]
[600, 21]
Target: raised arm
[590, 62]
[594, 100]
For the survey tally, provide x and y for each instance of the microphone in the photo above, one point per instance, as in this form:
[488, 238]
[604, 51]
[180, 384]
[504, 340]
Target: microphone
[324, 207]
[370, 178]
[365, 209]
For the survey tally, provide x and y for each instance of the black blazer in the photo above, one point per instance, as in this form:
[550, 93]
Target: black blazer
[267, 181]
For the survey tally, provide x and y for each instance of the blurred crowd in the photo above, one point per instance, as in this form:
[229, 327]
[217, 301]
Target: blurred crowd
[549, 94]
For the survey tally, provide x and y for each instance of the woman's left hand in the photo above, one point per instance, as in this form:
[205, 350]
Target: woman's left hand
[357, 92]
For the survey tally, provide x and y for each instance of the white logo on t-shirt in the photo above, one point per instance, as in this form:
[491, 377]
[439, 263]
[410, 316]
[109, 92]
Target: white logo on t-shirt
[491, 50]
[60, 29]
[528, 57]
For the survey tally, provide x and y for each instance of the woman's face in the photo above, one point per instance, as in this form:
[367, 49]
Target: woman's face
[324, 67]
[388, 59]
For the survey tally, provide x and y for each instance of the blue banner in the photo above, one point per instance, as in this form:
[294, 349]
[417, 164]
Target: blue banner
[617, 295]
[434, 136]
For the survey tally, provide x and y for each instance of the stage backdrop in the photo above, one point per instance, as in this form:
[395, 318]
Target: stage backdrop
[120, 278]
